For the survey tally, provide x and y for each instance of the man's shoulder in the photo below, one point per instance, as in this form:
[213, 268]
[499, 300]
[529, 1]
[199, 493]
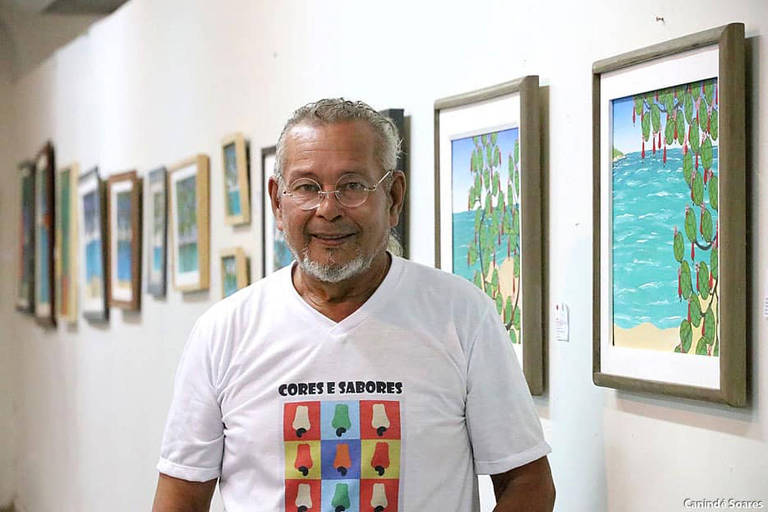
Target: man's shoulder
[435, 283]
[244, 304]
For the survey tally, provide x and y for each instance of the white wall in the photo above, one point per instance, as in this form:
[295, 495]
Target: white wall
[159, 81]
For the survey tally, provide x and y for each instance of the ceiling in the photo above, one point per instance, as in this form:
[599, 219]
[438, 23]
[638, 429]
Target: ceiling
[32, 30]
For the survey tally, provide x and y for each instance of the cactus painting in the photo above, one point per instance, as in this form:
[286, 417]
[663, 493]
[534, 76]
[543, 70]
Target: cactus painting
[665, 219]
[486, 219]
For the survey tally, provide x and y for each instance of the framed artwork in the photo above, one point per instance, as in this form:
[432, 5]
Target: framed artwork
[124, 210]
[44, 236]
[669, 218]
[397, 115]
[25, 298]
[66, 243]
[234, 271]
[157, 201]
[488, 206]
[93, 246]
[188, 185]
[234, 157]
[276, 252]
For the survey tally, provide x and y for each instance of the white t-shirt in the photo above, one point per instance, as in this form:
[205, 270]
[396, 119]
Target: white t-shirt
[395, 408]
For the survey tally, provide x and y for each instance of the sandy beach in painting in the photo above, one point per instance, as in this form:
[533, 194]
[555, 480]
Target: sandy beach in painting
[646, 336]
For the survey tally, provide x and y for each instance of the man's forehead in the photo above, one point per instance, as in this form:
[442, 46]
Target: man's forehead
[347, 144]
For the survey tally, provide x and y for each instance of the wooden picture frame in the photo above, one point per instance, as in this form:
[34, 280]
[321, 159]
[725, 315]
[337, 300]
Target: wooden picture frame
[236, 179]
[157, 231]
[234, 270]
[484, 138]
[397, 115]
[45, 237]
[93, 243]
[124, 248]
[188, 190]
[66, 243]
[25, 296]
[276, 253]
[687, 97]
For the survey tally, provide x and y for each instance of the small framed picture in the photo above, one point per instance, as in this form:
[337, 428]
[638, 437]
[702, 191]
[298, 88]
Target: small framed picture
[234, 271]
[66, 243]
[157, 236]
[188, 183]
[124, 207]
[397, 115]
[488, 204]
[93, 246]
[234, 157]
[44, 237]
[277, 254]
[25, 298]
[670, 218]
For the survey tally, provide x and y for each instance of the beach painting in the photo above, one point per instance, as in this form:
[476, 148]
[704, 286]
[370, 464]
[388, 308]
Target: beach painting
[189, 225]
[234, 271]
[231, 184]
[234, 153]
[124, 239]
[92, 254]
[26, 265]
[277, 254]
[157, 215]
[664, 204]
[66, 236]
[229, 275]
[44, 236]
[485, 185]
[186, 225]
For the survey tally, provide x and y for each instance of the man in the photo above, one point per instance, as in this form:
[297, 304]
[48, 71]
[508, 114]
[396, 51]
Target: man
[353, 380]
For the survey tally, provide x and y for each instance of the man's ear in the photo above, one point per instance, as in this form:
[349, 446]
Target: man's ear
[274, 198]
[396, 197]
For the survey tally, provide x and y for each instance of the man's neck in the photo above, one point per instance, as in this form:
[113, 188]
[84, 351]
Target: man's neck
[339, 300]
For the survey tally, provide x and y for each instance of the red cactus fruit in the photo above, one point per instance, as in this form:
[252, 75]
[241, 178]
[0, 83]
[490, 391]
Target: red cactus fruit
[665, 154]
[693, 252]
[642, 152]
[679, 285]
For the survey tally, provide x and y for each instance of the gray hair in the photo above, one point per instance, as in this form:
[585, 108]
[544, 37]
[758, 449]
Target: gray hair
[337, 110]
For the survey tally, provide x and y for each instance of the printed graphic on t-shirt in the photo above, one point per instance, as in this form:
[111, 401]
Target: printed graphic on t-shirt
[342, 456]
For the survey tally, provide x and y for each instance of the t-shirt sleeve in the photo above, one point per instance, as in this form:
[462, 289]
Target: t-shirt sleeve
[193, 441]
[503, 425]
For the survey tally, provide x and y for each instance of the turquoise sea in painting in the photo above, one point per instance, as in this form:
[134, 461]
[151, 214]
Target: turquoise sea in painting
[282, 255]
[649, 200]
[461, 180]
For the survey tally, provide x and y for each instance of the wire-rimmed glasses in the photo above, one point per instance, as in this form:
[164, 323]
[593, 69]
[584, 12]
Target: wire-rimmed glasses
[350, 191]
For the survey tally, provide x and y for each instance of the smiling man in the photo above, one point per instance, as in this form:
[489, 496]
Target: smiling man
[353, 379]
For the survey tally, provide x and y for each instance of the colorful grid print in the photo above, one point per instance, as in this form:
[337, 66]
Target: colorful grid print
[342, 456]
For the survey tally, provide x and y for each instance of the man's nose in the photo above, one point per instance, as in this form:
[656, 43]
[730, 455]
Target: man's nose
[329, 207]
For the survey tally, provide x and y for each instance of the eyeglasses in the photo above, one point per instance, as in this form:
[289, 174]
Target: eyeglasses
[350, 192]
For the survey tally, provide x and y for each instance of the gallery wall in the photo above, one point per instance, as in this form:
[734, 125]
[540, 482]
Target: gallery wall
[156, 82]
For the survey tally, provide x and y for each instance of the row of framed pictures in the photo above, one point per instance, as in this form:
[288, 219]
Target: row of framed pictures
[669, 215]
[105, 216]
[669, 246]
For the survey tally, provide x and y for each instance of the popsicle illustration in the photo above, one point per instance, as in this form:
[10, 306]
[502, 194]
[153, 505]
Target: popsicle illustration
[342, 462]
[341, 420]
[379, 498]
[380, 459]
[379, 419]
[303, 460]
[340, 501]
[301, 420]
[303, 498]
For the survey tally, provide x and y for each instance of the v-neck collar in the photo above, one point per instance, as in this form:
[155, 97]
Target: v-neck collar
[382, 293]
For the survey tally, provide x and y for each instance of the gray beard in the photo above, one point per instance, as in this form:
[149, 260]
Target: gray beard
[332, 272]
